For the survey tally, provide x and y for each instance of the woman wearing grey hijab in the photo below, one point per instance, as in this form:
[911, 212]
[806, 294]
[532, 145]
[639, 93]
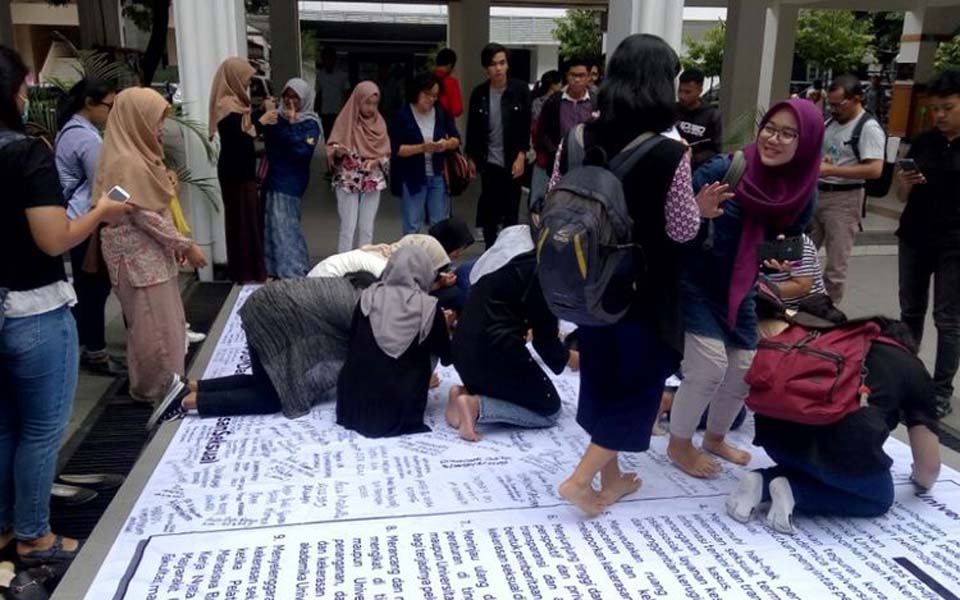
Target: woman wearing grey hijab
[397, 329]
[292, 133]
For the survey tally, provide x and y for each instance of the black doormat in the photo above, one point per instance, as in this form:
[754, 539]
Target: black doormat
[112, 437]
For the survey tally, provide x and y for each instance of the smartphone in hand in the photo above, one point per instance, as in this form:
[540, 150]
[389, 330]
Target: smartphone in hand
[788, 249]
[908, 165]
[118, 194]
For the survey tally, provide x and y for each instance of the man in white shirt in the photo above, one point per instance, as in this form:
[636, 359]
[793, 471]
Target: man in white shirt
[847, 164]
[333, 88]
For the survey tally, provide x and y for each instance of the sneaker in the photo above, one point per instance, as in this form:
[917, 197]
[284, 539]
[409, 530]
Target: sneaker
[743, 502]
[194, 337]
[171, 407]
[780, 516]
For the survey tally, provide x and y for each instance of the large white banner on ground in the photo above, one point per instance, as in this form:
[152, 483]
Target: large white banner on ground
[268, 507]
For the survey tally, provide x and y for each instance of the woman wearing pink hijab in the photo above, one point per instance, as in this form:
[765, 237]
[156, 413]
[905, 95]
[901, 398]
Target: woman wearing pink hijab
[720, 268]
[358, 152]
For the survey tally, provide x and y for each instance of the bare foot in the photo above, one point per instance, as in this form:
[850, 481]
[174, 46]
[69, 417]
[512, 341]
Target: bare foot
[434, 381]
[468, 407]
[690, 459]
[624, 485]
[453, 417]
[583, 497]
[719, 447]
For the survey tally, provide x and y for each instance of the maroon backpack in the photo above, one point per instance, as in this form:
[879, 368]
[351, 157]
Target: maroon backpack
[810, 376]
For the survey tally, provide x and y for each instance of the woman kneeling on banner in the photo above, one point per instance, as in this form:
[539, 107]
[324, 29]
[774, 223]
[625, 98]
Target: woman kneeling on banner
[835, 464]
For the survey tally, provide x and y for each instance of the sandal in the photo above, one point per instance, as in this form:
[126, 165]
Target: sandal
[53, 554]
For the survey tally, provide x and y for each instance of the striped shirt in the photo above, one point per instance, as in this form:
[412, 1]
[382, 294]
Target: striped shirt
[78, 150]
[809, 266]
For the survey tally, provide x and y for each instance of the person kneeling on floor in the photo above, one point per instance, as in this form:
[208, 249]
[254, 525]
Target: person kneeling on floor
[502, 381]
[382, 389]
[297, 333]
[839, 468]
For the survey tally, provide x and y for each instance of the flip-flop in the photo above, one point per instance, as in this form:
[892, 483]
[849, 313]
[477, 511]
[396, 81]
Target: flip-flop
[97, 481]
[53, 554]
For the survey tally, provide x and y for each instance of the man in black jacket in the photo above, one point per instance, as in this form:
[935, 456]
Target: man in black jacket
[699, 123]
[498, 137]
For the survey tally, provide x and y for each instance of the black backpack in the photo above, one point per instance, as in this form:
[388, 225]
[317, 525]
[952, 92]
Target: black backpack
[585, 248]
[875, 188]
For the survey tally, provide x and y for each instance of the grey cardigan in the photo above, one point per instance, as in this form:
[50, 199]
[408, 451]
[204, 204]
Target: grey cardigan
[300, 329]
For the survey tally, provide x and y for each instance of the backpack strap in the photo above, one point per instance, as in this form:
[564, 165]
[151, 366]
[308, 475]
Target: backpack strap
[621, 164]
[854, 141]
[735, 172]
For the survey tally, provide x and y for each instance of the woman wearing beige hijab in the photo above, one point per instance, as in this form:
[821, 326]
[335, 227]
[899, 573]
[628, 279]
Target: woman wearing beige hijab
[142, 252]
[230, 116]
[358, 150]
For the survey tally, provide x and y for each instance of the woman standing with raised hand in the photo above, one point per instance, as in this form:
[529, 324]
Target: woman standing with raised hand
[143, 251]
[292, 132]
[358, 150]
[230, 116]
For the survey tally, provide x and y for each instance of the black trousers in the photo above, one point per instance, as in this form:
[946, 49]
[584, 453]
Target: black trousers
[918, 264]
[499, 204]
[238, 394]
[92, 293]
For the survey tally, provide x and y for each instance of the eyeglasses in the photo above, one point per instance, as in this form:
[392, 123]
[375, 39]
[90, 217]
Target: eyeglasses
[841, 104]
[785, 135]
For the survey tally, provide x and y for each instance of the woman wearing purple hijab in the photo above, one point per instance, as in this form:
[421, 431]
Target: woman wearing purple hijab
[720, 267]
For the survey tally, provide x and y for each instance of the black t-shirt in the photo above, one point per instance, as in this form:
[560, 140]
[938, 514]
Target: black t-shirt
[932, 214]
[900, 390]
[701, 126]
[30, 180]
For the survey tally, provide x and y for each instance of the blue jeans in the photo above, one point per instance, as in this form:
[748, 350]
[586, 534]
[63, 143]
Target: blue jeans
[285, 249]
[501, 411]
[821, 492]
[39, 358]
[432, 197]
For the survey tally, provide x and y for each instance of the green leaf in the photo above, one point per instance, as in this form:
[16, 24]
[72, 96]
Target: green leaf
[207, 186]
[948, 55]
[197, 128]
[579, 33]
[706, 54]
[834, 39]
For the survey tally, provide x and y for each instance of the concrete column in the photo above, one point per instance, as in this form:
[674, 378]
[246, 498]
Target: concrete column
[285, 55]
[779, 38]
[923, 30]
[468, 31]
[101, 23]
[547, 58]
[208, 32]
[746, 22]
[659, 17]
[6, 24]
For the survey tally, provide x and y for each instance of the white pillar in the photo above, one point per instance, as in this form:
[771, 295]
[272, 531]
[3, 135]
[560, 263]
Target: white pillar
[779, 39]
[100, 23]
[746, 20]
[285, 56]
[659, 17]
[468, 31]
[923, 30]
[208, 32]
[6, 24]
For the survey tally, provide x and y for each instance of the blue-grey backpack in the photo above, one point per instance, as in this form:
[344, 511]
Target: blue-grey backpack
[586, 254]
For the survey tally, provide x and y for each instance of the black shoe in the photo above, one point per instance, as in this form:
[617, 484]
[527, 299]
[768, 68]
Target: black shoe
[104, 367]
[71, 495]
[95, 481]
[944, 406]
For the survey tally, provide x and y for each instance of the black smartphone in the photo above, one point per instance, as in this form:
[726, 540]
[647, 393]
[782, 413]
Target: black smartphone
[788, 249]
[908, 164]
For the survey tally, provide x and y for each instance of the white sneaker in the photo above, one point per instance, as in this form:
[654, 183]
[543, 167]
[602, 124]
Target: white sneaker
[780, 516]
[743, 502]
[194, 337]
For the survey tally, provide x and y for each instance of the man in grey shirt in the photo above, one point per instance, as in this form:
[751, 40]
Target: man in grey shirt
[843, 174]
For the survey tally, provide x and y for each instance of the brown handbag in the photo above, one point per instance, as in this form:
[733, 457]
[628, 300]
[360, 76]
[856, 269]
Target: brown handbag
[456, 172]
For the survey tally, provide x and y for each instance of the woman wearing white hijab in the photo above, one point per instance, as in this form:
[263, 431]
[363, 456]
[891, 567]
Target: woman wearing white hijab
[292, 133]
[397, 327]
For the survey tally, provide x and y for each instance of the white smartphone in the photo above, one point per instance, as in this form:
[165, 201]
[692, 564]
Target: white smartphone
[118, 194]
